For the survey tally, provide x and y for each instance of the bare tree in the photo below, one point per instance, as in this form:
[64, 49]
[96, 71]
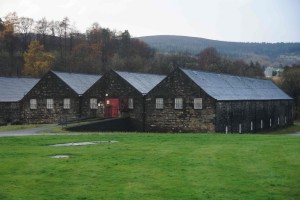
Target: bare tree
[42, 28]
[24, 27]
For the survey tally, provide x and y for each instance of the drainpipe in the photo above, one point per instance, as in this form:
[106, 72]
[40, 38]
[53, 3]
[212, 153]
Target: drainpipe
[80, 106]
[144, 113]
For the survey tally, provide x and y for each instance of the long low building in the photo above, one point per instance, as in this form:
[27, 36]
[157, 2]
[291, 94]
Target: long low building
[196, 101]
[183, 101]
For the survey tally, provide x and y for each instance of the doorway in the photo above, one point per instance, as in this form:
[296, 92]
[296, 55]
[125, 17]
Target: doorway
[111, 109]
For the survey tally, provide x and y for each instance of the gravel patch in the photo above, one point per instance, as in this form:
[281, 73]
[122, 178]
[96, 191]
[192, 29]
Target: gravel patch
[60, 156]
[82, 143]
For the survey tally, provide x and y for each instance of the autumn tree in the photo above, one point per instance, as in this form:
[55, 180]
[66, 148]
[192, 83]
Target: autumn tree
[209, 59]
[37, 61]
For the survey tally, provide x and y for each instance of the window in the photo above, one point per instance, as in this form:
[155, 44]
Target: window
[197, 103]
[33, 104]
[130, 103]
[49, 103]
[93, 103]
[285, 119]
[178, 103]
[66, 103]
[159, 103]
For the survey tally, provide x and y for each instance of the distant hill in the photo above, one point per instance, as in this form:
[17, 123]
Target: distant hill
[274, 54]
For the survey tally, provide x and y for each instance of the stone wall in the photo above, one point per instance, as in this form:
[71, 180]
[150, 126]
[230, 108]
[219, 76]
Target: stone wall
[238, 116]
[111, 85]
[10, 113]
[50, 86]
[188, 119]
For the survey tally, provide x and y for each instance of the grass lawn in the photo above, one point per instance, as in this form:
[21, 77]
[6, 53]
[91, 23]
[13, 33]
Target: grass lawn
[151, 166]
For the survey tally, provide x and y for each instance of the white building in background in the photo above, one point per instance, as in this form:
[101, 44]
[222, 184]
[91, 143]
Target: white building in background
[268, 72]
[273, 71]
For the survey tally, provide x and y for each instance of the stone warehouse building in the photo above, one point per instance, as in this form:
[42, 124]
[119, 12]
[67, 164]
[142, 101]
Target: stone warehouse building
[12, 91]
[184, 101]
[120, 94]
[56, 97]
[196, 101]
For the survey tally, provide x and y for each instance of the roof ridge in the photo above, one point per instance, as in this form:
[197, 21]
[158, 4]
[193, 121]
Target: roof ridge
[54, 71]
[223, 74]
[144, 73]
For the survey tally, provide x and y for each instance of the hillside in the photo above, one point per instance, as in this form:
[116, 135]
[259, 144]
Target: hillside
[266, 53]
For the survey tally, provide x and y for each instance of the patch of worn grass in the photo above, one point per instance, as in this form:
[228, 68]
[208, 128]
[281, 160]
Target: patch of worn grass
[21, 127]
[151, 166]
[288, 130]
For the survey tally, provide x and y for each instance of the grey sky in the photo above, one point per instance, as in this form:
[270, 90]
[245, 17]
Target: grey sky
[228, 20]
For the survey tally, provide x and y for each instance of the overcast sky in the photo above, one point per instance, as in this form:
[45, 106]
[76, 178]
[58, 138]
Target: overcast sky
[227, 20]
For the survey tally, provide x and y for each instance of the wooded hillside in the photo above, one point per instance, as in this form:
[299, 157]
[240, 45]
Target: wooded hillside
[95, 51]
[274, 54]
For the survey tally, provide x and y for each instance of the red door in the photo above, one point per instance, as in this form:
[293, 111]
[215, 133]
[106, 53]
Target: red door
[111, 108]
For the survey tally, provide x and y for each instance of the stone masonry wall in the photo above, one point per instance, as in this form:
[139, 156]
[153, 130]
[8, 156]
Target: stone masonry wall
[111, 85]
[188, 119]
[50, 86]
[10, 113]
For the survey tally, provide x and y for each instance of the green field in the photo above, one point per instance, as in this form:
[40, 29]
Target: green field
[151, 166]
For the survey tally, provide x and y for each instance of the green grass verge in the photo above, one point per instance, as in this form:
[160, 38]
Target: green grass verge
[151, 166]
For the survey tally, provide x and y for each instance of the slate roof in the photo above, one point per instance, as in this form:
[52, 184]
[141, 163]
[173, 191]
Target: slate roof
[14, 89]
[142, 82]
[228, 87]
[78, 82]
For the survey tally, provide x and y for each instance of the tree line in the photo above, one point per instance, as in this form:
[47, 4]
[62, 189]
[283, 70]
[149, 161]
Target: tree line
[30, 48]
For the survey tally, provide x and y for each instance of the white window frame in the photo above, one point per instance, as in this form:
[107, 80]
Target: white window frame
[198, 103]
[159, 103]
[33, 104]
[67, 103]
[178, 103]
[93, 103]
[285, 119]
[130, 103]
[50, 104]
